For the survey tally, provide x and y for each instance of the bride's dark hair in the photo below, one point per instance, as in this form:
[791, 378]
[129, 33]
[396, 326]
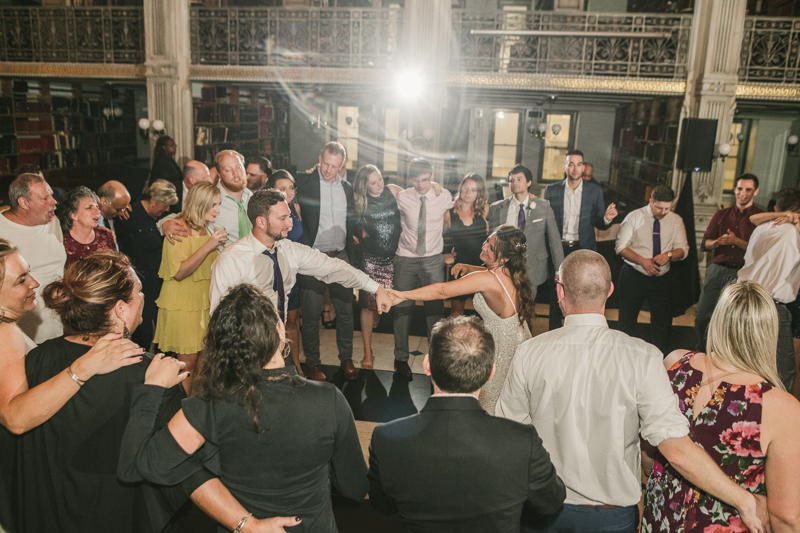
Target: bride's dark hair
[512, 246]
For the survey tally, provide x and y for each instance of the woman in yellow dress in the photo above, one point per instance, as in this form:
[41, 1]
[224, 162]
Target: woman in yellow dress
[183, 306]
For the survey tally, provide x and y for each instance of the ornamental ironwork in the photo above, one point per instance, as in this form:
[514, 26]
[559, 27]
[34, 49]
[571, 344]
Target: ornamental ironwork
[574, 55]
[296, 37]
[72, 35]
[770, 50]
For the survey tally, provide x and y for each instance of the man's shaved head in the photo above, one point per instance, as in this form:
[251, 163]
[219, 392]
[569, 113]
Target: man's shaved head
[586, 279]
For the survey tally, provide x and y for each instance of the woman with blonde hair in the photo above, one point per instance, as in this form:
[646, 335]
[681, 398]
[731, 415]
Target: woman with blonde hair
[738, 413]
[183, 305]
[468, 229]
[503, 298]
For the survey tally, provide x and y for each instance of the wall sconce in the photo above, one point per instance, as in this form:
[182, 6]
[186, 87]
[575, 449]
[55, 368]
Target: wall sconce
[740, 137]
[791, 142]
[537, 130]
[156, 128]
[108, 111]
[556, 129]
[723, 150]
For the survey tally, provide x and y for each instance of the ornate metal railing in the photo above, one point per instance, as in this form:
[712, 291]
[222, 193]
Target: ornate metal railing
[67, 34]
[770, 50]
[575, 55]
[303, 37]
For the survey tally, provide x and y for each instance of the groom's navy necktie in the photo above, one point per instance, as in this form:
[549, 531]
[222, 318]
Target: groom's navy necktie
[277, 282]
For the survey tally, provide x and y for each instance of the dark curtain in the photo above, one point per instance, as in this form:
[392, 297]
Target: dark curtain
[685, 274]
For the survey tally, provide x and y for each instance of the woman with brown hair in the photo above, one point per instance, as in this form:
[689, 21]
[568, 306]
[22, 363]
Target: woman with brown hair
[79, 215]
[503, 298]
[282, 441]
[67, 465]
[468, 229]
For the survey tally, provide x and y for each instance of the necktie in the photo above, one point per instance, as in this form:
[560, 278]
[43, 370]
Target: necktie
[421, 227]
[277, 282]
[244, 222]
[656, 237]
[521, 217]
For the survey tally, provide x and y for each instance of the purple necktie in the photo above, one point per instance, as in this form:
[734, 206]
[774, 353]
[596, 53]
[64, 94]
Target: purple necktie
[521, 217]
[656, 237]
[277, 282]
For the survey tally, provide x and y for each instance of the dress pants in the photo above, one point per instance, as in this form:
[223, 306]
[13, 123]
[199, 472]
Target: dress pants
[581, 519]
[411, 273]
[634, 288]
[556, 316]
[717, 277]
[785, 356]
[312, 292]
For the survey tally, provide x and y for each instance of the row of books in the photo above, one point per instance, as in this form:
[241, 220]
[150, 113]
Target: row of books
[232, 113]
[67, 158]
[61, 141]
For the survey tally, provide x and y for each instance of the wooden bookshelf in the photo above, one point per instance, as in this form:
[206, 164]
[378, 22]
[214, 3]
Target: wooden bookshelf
[249, 120]
[64, 131]
[645, 142]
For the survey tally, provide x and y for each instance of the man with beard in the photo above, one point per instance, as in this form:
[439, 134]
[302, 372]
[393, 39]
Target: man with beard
[258, 172]
[268, 260]
[234, 196]
[31, 225]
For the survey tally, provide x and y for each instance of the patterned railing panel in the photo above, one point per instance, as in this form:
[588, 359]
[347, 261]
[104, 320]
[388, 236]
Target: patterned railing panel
[770, 50]
[574, 55]
[75, 35]
[307, 37]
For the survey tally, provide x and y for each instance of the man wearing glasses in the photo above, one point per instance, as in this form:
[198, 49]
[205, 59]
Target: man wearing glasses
[419, 261]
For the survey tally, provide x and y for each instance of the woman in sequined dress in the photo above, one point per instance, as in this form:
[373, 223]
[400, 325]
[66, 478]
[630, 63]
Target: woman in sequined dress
[378, 232]
[502, 298]
[283, 181]
[468, 229]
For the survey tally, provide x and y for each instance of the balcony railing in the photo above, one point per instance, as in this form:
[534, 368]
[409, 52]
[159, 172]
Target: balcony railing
[303, 37]
[576, 55]
[770, 50]
[74, 35]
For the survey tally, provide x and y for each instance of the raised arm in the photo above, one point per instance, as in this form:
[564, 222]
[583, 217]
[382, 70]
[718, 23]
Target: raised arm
[193, 262]
[21, 408]
[469, 284]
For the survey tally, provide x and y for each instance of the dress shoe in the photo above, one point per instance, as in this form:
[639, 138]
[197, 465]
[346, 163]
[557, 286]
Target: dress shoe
[402, 368]
[316, 373]
[349, 369]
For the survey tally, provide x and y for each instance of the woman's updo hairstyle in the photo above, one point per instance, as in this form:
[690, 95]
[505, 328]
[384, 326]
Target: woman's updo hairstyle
[6, 249]
[89, 290]
[512, 246]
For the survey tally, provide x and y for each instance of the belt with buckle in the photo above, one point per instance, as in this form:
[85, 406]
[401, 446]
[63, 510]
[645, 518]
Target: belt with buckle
[333, 254]
[570, 243]
[602, 506]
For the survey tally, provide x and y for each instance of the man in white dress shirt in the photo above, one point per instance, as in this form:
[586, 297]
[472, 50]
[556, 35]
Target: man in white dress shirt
[234, 196]
[252, 258]
[649, 240]
[31, 225]
[591, 392]
[419, 260]
[772, 259]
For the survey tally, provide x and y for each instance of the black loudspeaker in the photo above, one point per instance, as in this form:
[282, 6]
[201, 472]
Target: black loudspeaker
[696, 150]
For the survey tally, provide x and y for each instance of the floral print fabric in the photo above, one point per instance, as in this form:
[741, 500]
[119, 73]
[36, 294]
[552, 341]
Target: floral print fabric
[728, 428]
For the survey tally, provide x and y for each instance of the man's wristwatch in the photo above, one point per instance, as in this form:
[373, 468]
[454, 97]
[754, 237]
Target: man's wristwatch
[669, 255]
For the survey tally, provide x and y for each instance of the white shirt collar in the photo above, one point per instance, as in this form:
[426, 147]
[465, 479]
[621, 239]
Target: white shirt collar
[576, 190]
[585, 319]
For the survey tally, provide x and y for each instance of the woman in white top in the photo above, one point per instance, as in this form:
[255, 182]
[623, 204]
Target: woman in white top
[503, 298]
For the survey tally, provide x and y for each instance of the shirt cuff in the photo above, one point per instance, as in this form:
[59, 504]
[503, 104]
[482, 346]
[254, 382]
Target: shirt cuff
[657, 437]
[372, 286]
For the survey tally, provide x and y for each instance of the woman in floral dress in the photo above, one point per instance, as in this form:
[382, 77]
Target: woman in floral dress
[739, 414]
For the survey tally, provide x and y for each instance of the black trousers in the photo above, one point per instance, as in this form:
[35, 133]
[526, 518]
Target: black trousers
[556, 316]
[634, 288]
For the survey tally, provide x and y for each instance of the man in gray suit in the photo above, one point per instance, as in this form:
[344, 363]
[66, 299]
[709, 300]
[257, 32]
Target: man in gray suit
[533, 216]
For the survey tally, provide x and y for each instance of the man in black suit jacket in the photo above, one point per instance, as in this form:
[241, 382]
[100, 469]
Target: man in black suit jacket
[326, 202]
[453, 467]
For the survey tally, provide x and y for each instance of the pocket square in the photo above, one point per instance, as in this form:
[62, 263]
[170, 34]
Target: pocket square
[537, 220]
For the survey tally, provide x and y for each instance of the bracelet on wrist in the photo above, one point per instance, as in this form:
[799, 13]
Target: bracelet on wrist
[74, 377]
[242, 522]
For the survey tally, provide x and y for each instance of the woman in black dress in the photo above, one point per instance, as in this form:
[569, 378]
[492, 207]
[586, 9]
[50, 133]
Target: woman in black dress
[281, 441]
[67, 466]
[164, 165]
[138, 237]
[378, 232]
[468, 229]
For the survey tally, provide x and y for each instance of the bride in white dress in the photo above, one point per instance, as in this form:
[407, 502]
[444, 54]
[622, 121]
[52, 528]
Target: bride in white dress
[503, 298]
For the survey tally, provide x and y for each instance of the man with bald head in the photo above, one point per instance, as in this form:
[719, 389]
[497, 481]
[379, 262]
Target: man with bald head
[591, 392]
[588, 173]
[193, 172]
[115, 201]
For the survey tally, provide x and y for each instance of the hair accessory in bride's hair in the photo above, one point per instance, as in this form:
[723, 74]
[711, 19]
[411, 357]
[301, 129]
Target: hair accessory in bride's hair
[521, 247]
